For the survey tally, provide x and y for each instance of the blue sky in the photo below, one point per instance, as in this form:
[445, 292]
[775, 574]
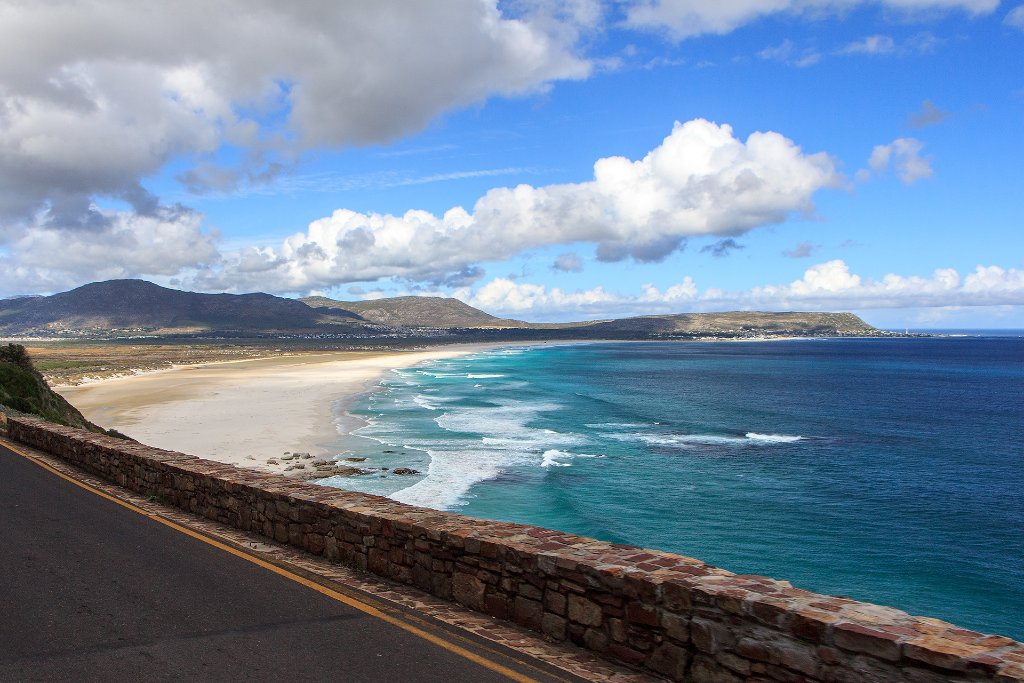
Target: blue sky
[758, 154]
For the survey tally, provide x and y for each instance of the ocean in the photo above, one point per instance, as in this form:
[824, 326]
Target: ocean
[887, 470]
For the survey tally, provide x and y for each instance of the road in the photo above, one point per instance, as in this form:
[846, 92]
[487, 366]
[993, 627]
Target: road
[93, 591]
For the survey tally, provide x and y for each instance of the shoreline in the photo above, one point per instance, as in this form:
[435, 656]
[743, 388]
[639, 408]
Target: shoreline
[751, 456]
[252, 412]
[270, 414]
[246, 412]
[287, 413]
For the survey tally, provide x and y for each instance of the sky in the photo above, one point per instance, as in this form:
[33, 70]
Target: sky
[539, 160]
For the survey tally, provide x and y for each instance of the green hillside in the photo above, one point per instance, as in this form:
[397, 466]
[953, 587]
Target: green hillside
[23, 389]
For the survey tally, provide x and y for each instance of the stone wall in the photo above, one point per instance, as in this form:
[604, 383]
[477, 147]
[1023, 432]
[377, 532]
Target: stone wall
[664, 613]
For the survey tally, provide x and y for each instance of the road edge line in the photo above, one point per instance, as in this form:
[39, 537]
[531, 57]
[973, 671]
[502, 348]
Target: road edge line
[353, 602]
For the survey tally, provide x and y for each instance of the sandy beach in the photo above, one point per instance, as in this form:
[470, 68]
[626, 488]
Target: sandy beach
[243, 412]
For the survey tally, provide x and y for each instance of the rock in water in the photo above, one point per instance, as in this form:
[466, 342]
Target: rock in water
[322, 472]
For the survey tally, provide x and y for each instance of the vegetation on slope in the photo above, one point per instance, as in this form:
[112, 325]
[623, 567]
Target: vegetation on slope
[23, 389]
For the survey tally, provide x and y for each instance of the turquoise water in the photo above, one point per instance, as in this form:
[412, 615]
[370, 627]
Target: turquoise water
[886, 470]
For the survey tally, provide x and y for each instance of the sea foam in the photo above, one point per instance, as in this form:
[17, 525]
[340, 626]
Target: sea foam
[554, 458]
[773, 438]
[691, 440]
[484, 443]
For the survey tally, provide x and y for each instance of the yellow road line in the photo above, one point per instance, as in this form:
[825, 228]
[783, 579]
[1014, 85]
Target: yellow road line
[333, 594]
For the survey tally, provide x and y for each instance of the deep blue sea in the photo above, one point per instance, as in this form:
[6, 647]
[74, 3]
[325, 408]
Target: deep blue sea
[888, 470]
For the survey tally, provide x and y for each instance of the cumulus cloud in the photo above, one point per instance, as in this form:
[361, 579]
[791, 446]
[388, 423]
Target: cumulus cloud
[504, 294]
[701, 180]
[903, 155]
[508, 296]
[831, 284]
[688, 18]
[569, 262]
[824, 286]
[122, 244]
[96, 96]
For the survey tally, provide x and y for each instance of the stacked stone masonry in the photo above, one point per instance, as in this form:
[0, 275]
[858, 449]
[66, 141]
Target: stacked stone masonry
[667, 614]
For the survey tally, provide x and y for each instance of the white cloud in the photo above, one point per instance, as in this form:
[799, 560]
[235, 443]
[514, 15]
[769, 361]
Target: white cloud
[832, 284]
[780, 53]
[96, 96]
[687, 18]
[511, 297]
[701, 180]
[47, 259]
[503, 294]
[878, 44]
[787, 53]
[904, 156]
[1015, 17]
[870, 45]
[825, 286]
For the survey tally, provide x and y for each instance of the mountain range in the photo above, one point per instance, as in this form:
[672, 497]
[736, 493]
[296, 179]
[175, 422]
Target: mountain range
[137, 307]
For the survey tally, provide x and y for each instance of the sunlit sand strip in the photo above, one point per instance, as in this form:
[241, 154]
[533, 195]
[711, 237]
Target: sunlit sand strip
[244, 412]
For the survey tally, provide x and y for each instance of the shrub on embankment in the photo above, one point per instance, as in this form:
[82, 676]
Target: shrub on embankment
[23, 388]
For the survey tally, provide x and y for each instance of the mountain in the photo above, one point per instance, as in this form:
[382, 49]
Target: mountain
[416, 311]
[130, 307]
[439, 312]
[137, 305]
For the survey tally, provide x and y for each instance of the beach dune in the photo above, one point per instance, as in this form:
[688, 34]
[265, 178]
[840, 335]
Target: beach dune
[243, 412]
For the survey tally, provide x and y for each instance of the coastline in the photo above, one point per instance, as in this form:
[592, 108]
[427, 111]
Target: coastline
[750, 472]
[246, 412]
[252, 412]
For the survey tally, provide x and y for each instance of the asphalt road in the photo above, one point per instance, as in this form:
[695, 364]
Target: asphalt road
[92, 591]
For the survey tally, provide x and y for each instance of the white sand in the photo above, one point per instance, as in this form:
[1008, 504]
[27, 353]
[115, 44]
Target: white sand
[242, 412]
